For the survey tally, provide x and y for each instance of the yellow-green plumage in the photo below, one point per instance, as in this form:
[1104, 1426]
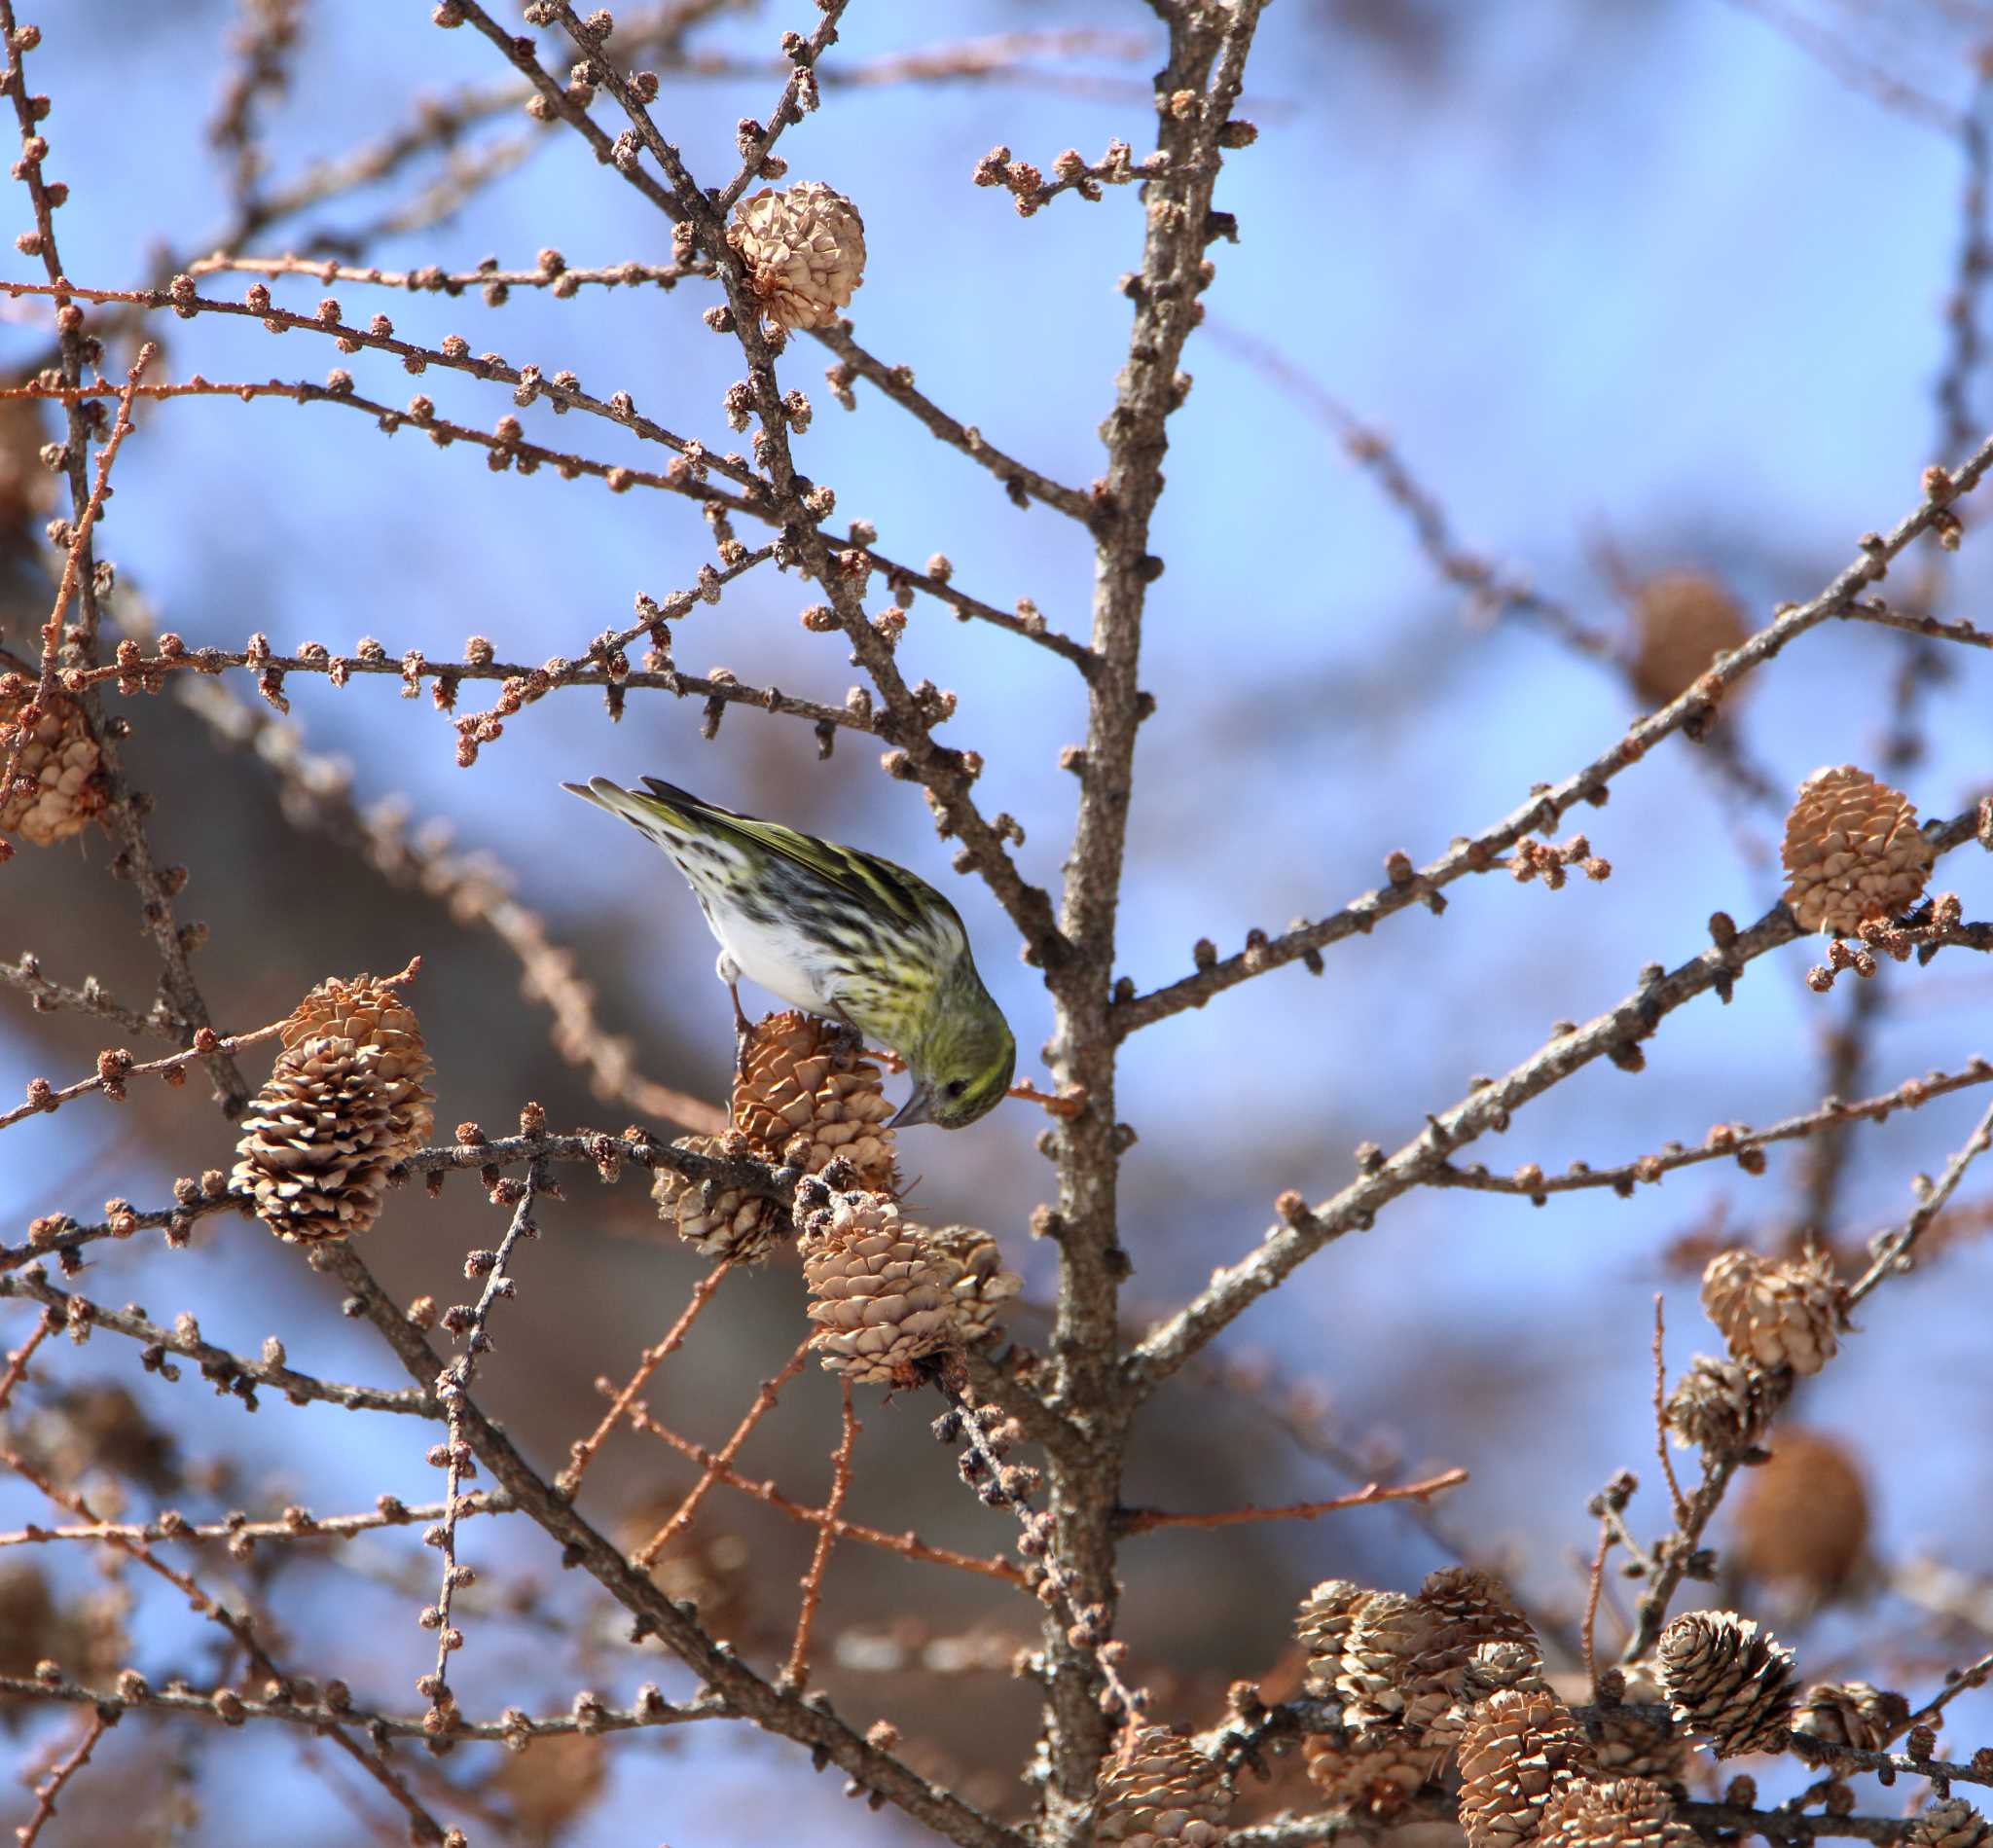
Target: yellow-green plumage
[838, 932]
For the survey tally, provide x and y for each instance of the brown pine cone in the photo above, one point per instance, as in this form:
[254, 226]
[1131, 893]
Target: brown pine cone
[1469, 1608]
[1321, 1628]
[1854, 1714]
[803, 251]
[804, 1098]
[1490, 1669]
[1853, 852]
[1160, 1788]
[1683, 620]
[1517, 1751]
[28, 489]
[744, 1226]
[1801, 1520]
[1630, 1744]
[1722, 1406]
[981, 1287]
[881, 1297]
[1376, 1780]
[374, 1017]
[317, 1142]
[58, 786]
[1625, 1812]
[1386, 1631]
[1778, 1312]
[1727, 1681]
[1952, 1824]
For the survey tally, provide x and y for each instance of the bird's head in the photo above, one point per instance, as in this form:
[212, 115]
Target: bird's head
[962, 1059]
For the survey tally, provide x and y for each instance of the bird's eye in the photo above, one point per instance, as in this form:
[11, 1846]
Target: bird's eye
[956, 1087]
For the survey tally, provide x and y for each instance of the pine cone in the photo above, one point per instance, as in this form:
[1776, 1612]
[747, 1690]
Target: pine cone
[1853, 852]
[1160, 1788]
[981, 1287]
[1321, 1628]
[744, 1226]
[374, 1016]
[1371, 1780]
[28, 489]
[1517, 1751]
[1852, 1713]
[551, 1785]
[881, 1297]
[317, 1142]
[1685, 620]
[1727, 1681]
[1469, 1608]
[804, 250]
[1623, 1812]
[1952, 1824]
[805, 1098]
[1630, 1744]
[1802, 1519]
[1386, 1631]
[58, 786]
[1778, 1312]
[1722, 1406]
[1490, 1669]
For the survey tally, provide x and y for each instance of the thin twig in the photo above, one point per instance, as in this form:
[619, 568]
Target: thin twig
[583, 1450]
[51, 1787]
[795, 1675]
[1143, 1520]
[646, 1556]
[1661, 1447]
[908, 1544]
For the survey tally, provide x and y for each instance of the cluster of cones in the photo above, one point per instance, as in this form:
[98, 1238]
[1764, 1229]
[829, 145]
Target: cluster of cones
[1444, 1692]
[888, 1297]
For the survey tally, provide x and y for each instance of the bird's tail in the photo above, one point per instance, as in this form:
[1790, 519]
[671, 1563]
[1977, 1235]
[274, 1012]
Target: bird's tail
[667, 815]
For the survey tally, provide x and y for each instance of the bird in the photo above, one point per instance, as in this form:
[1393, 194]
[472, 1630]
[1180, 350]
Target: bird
[838, 932]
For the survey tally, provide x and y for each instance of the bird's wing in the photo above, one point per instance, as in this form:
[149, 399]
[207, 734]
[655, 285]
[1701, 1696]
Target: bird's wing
[867, 880]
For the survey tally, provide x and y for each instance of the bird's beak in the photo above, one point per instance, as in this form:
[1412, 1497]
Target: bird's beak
[918, 1109]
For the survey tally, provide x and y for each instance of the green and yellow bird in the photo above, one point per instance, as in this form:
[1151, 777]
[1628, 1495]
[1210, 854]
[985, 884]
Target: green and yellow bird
[842, 933]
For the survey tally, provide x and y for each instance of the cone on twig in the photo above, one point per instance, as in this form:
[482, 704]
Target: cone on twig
[317, 1142]
[1469, 1608]
[715, 1220]
[806, 1097]
[1631, 1745]
[1322, 1626]
[1727, 1681]
[1623, 1812]
[374, 1017]
[1854, 1714]
[1802, 1519]
[1853, 852]
[803, 251]
[1778, 1312]
[1376, 1780]
[28, 489]
[1159, 1789]
[1952, 1823]
[1683, 620]
[981, 1286]
[1517, 1751]
[1722, 1406]
[881, 1297]
[1490, 1669]
[1386, 1632]
[58, 787]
